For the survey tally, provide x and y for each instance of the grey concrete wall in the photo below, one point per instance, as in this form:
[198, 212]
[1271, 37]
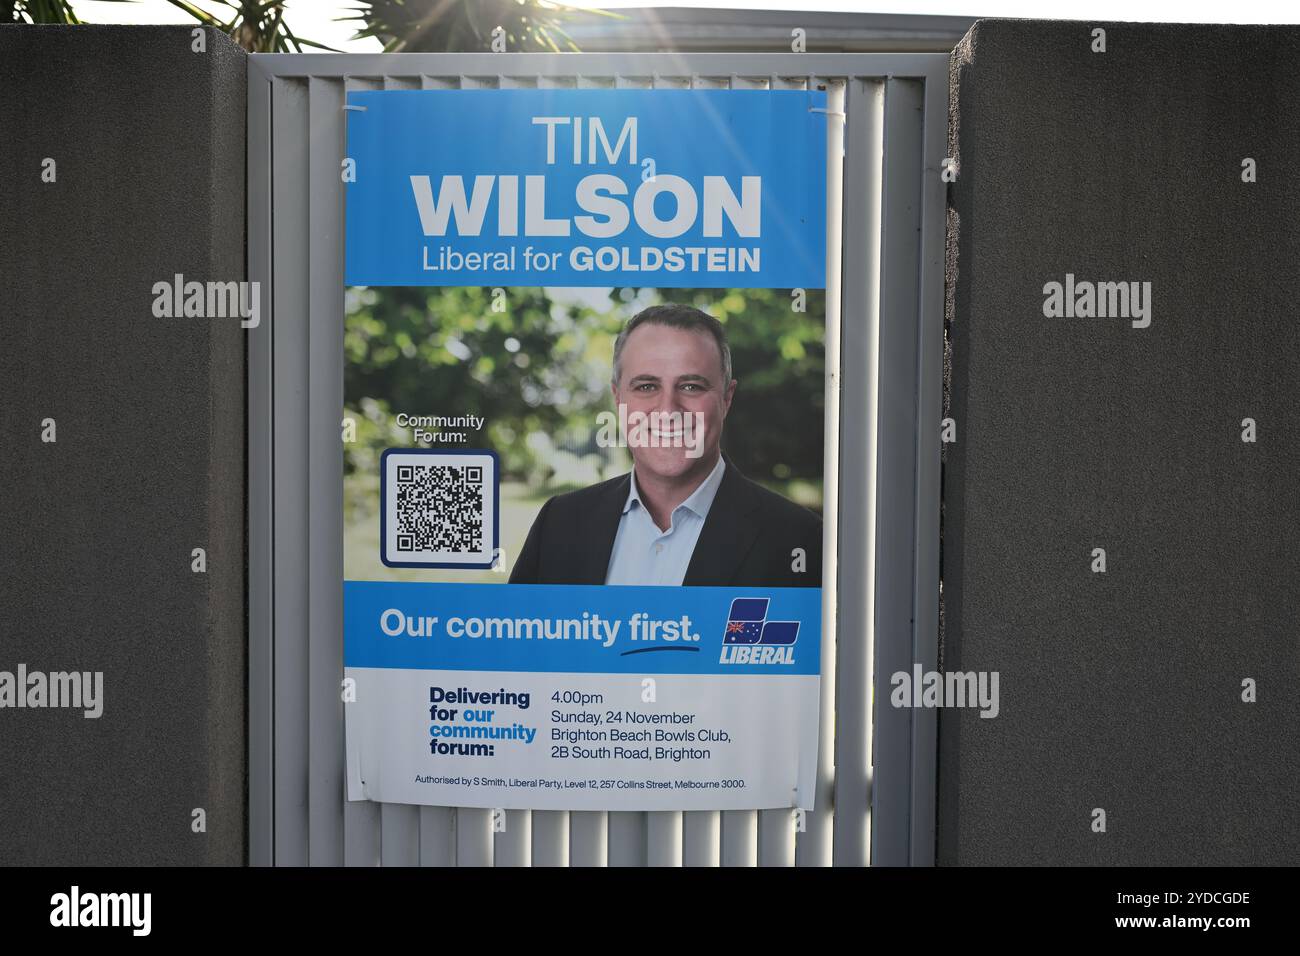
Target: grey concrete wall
[97, 528]
[1123, 690]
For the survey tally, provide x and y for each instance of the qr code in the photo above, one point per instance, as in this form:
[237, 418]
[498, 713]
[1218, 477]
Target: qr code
[439, 508]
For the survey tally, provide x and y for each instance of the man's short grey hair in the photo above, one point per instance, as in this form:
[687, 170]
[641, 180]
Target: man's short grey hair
[677, 317]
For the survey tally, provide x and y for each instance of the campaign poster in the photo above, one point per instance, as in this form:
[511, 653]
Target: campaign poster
[585, 388]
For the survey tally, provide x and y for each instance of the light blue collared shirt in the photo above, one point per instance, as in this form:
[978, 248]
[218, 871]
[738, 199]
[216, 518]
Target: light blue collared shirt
[645, 555]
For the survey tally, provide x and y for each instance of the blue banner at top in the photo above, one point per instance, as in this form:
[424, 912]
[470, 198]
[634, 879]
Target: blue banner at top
[652, 188]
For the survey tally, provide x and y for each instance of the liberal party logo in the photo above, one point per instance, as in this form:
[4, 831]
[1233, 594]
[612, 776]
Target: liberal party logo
[751, 638]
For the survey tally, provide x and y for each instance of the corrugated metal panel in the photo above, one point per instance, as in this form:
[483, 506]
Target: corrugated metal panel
[890, 258]
[684, 29]
[864, 178]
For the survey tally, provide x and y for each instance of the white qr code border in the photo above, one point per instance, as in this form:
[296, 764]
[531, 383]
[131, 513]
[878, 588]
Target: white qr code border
[487, 556]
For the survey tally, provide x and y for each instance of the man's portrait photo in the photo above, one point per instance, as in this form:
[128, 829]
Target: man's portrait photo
[684, 514]
[641, 436]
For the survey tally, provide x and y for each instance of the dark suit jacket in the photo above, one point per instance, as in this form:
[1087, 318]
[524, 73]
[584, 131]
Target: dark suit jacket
[746, 541]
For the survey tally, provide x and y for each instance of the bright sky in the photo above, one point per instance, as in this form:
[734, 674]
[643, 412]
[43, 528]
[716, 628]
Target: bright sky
[317, 19]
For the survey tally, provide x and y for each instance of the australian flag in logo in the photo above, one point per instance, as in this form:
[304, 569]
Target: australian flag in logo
[747, 624]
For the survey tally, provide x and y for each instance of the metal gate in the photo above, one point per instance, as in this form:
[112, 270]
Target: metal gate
[876, 771]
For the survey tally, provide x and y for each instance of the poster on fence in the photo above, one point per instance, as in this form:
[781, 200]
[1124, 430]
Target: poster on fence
[584, 387]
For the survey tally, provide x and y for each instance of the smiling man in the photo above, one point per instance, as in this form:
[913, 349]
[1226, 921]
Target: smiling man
[685, 514]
